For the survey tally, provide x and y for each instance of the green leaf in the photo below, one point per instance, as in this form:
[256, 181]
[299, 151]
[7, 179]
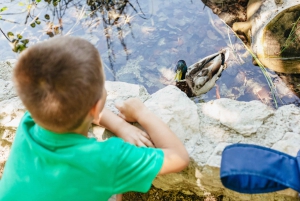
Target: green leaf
[38, 22]
[10, 35]
[25, 41]
[32, 25]
[38, 1]
[19, 36]
[3, 9]
[21, 48]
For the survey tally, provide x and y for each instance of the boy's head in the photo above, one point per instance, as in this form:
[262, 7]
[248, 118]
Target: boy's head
[59, 81]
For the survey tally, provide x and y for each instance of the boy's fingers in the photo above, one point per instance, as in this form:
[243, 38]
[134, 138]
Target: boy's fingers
[147, 142]
[140, 144]
[145, 135]
[143, 142]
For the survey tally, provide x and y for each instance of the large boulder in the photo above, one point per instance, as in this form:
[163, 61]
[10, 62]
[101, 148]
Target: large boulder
[204, 128]
[223, 122]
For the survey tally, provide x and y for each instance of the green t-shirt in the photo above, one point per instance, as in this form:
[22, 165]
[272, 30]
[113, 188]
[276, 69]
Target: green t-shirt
[46, 166]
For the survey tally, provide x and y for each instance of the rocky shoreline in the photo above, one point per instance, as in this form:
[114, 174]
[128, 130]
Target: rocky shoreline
[205, 129]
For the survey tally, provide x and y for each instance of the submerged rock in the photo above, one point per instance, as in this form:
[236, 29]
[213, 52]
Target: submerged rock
[275, 37]
[270, 27]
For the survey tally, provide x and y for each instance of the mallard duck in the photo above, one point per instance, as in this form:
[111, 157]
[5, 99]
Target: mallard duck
[200, 77]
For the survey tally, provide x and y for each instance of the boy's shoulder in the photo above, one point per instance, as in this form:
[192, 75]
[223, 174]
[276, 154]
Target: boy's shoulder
[112, 163]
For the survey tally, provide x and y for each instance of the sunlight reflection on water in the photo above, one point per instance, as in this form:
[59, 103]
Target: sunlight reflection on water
[142, 46]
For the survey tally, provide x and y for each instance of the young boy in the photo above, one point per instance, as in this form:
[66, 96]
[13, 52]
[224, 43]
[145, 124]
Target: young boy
[61, 83]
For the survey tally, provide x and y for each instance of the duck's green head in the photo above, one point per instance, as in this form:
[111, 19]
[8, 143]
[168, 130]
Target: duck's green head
[181, 70]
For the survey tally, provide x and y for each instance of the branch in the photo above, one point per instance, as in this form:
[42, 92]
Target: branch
[5, 36]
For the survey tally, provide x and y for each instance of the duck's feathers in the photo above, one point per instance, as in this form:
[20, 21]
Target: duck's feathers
[202, 75]
[208, 84]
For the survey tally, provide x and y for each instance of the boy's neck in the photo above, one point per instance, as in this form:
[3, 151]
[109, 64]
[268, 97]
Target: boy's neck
[83, 129]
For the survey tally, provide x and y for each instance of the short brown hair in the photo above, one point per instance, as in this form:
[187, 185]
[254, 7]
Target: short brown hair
[59, 81]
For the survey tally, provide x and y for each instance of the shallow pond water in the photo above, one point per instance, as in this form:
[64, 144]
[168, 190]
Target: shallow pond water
[141, 41]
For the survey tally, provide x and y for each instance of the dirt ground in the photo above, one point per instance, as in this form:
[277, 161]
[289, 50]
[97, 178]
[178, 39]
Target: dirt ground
[159, 195]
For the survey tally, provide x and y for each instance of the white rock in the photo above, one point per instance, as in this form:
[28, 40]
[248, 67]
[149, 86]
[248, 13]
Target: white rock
[215, 159]
[285, 119]
[288, 144]
[11, 112]
[176, 110]
[239, 116]
[120, 91]
[7, 90]
[10, 109]
[6, 68]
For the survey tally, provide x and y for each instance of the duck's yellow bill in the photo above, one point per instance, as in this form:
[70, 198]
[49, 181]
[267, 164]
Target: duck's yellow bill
[178, 75]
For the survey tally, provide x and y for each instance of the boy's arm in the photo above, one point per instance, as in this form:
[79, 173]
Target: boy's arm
[176, 157]
[123, 129]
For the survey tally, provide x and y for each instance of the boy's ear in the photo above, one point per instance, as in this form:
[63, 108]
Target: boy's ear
[95, 111]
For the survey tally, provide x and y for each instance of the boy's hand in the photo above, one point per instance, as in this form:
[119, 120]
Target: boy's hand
[123, 129]
[134, 135]
[131, 109]
[176, 157]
